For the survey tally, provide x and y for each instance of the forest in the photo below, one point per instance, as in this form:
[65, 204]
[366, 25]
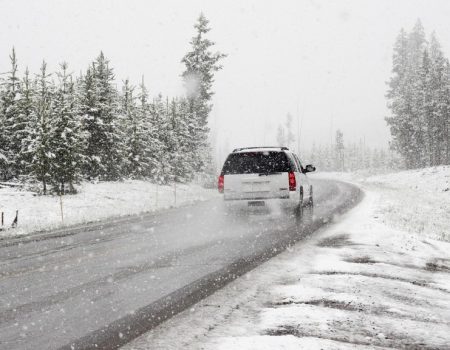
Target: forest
[419, 100]
[57, 129]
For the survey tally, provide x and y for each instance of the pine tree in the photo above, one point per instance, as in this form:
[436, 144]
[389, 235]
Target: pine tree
[339, 151]
[151, 143]
[182, 141]
[446, 116]
[66, 137]
[12, 127]
[40, 136]
[111, 146]
[200, 65]
[87, 102]
[137, 162]
[163, 172]
[4, 161]
[415, 124]
[281, 138]
[290, 138]
[25, 106]
[405, 95]
[437, 120]
[426, 112]
[396, 94]
[99, 106]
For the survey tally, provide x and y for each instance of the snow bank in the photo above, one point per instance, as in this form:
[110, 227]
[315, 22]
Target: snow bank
[93, 202]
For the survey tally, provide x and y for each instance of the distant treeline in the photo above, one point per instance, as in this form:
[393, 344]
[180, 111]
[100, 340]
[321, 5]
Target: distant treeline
[419, 99]
[340, 156]
[354, 157]
[351, 156]
[58, 129]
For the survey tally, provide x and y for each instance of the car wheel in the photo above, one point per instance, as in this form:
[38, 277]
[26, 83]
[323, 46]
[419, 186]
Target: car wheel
[311, 198]
[299, 208]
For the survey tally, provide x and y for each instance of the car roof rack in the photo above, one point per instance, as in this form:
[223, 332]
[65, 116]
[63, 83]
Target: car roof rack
[243, 148]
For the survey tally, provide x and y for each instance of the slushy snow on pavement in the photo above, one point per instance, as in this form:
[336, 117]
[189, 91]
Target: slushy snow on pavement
[373, 279]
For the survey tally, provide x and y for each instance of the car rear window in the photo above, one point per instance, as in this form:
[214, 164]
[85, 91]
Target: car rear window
[256, 163]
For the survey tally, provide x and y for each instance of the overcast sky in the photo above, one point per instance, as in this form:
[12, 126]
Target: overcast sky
[326, 62]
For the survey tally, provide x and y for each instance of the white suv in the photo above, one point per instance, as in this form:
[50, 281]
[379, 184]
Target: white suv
[259, 176]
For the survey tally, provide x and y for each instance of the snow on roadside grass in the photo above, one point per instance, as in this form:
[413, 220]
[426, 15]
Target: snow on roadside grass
[93, 202]
[416, 200]
[358, 284]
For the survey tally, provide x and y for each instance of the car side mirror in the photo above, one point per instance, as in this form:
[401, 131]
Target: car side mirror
[309, 168]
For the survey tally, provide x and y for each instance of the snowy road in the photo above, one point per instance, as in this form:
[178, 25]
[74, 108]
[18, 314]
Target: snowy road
[106, 285]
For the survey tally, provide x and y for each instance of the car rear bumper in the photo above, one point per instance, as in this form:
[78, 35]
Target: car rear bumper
[255, 203]
[249, 196]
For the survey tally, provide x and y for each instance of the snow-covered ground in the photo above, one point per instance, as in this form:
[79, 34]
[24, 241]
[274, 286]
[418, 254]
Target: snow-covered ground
[424, 204]
[372, 279]
[93, 202]
[416, 201]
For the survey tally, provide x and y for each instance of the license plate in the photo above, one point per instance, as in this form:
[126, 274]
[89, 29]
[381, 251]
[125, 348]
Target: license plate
[256, 204]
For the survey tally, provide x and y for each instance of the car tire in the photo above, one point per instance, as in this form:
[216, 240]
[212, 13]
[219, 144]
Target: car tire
[311, 197]
[299, 207]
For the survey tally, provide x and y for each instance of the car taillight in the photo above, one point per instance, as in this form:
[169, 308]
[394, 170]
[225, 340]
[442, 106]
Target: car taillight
[292, 182]
[221, 183]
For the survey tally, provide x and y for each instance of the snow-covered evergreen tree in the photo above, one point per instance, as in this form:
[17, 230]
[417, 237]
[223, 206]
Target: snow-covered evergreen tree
[12, 129]
[439, 107]
[290, 138]
[426, 110]
[66, 136]
[339, 151]
[99, 107]
[406, 122]
[284, 134]
[91, 126]
[200, 65]
[281, 137]
[182, 141]
[152, 146]
[159, 114]
[40, 133]
[187, 131]
[25, 106]
[446, 116]
[3, 143]
[136, 120]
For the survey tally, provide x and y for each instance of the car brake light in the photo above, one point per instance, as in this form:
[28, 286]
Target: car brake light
[292, 182]
[221, 183]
